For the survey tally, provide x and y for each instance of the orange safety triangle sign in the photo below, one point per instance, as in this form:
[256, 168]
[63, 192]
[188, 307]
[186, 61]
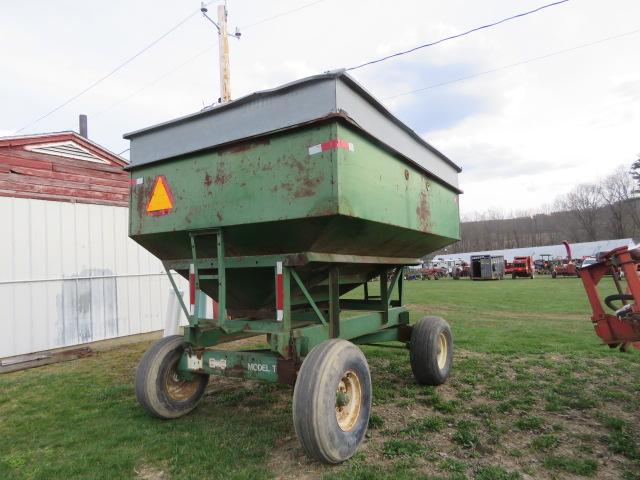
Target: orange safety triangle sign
[161, 201]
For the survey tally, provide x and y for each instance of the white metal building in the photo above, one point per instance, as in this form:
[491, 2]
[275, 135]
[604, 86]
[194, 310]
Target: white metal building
[69, 274]
[578, 250]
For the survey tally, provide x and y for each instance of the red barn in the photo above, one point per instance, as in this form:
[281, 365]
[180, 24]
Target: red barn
[62, 166]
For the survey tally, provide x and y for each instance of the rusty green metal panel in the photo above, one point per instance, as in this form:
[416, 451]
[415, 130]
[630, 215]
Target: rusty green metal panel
[259, 181]
[376, 185]
[272, 197]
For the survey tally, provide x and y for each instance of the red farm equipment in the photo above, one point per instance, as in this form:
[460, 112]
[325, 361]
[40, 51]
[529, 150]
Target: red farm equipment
[522, 267]
[508, 267]
[567, 268]
[622, 327]
[435, 272]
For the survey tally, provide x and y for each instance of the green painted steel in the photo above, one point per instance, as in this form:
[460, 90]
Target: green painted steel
[254, 365]
[332, 218]
[272, 197]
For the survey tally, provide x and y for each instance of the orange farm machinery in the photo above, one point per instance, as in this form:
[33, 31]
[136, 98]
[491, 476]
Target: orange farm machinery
[567, 268]
[619, 326]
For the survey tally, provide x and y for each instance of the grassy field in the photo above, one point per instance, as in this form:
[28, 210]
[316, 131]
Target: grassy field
[533, 394]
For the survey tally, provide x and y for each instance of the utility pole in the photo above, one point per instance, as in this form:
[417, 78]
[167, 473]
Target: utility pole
[223, 49]
[225, 74]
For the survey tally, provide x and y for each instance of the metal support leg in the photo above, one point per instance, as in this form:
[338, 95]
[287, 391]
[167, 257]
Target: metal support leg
[334, 303]
[222, 281]
[384, 295]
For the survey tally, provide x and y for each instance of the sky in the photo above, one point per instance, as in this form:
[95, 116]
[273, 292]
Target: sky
[522, 134]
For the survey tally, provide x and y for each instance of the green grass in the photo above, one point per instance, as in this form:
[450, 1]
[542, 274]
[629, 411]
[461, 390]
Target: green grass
[531, 383]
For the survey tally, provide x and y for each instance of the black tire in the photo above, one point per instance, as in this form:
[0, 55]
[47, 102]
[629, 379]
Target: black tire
[553, 274]
[513, 276]
[425, 351]
[326, 433]
[158, 389]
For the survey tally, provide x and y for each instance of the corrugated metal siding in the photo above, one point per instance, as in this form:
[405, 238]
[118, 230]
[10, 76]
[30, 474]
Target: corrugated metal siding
[69, 274]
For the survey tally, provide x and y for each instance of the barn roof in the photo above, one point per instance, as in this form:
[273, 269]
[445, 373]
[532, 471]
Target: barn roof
[62, 166]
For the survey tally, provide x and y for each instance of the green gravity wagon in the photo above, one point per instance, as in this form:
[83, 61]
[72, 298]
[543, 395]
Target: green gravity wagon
[296, 210]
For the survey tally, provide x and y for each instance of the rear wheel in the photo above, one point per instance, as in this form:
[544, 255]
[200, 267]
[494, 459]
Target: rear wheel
[332, 401]
[513, 276]
[159, 388]
[431, 351]
[554, 274]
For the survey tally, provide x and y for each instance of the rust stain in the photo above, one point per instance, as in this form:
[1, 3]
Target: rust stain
[406, 174]
[423, 212]
[308, 187]
[208, 180]
[219, 215]
[222, 176]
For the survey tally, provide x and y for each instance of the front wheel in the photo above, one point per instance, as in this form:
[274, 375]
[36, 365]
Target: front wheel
[431, 351]
[159, 388]
[332, 401]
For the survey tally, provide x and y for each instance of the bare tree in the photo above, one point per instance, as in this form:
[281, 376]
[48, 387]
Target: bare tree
[582, 203]
[617, 192]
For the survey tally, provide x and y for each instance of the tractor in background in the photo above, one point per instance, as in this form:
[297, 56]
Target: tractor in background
[544, 265]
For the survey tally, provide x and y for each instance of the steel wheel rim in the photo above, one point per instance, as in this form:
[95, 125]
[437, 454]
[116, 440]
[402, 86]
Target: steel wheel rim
[179, 390]
[443, 350]
[348, 401]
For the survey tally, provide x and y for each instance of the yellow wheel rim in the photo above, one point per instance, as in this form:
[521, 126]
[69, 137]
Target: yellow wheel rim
[348, 401]
[443, 350]
[179, 390]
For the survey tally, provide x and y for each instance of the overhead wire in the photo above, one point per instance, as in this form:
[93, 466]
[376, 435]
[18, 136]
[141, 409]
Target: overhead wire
[156, 80]
[113, 71]
[199, 54]
[282, 14]
[458, 35]
[164, 75]
[511, 65]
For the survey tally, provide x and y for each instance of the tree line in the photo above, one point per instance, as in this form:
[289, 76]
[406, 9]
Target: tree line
[606, 209]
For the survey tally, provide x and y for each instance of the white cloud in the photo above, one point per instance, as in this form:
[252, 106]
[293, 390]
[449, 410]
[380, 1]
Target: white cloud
[542, 127]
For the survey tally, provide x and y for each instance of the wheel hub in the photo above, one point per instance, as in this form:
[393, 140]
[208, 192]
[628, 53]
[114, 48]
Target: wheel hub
[178, 389]
[442, 350]
[348, 401]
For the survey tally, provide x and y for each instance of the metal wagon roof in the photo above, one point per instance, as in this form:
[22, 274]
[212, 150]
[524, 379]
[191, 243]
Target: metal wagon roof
[315, 98]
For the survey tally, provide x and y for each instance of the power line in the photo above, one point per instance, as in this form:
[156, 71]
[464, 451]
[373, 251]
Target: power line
[103, 78]
[190, 59]
[156, 80]
[489, 25]
[523, 62]
[288, 12]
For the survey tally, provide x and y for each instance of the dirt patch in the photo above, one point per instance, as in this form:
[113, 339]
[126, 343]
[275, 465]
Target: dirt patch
[494, 412]
[147, 472]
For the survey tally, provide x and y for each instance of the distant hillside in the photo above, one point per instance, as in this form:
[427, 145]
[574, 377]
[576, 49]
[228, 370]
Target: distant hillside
[615, 221]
